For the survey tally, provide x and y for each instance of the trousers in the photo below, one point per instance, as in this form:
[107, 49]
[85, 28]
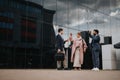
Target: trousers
[95, 58]
[64, 63]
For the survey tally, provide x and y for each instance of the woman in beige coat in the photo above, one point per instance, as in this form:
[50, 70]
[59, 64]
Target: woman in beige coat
[78, 48]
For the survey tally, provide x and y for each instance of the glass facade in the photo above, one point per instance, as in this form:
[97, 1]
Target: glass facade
[28, 30]
[72, 15]
[6, 26]
[84, 15]
[27, 36]
[80, 15]
[23, 7]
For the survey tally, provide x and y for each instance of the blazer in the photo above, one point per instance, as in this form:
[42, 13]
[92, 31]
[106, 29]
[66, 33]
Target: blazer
[59, 42]
[95, 44]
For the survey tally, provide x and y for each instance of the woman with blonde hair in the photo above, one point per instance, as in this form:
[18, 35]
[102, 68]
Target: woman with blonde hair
[78, 49]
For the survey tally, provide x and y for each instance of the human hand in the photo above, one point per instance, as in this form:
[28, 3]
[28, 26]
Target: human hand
[90, 32]
[84, 50]
[59, 51]
[67, 40]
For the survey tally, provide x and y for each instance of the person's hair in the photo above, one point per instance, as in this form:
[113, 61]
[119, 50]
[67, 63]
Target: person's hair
[60, 29]
[97, 31]
[70, 33]
[79, 33]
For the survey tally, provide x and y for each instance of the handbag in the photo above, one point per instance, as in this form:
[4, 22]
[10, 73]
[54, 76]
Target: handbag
[59, 56]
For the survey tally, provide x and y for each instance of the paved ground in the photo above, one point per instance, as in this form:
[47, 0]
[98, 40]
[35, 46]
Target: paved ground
[32, 74]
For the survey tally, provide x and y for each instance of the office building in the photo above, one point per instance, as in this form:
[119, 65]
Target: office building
[27, 37]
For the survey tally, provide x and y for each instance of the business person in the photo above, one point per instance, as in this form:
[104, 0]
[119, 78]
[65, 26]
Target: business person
[95, 49]
[60, 47]
[78, 48]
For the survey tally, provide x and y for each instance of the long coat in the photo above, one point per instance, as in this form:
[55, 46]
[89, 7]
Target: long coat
[78, 42]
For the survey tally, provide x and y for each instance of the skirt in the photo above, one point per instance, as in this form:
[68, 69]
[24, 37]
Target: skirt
[76, 62]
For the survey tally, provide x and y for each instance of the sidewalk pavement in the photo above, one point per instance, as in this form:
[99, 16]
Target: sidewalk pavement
[52, 74]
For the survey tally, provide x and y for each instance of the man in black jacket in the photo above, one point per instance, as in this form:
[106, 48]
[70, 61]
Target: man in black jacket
[60, 48]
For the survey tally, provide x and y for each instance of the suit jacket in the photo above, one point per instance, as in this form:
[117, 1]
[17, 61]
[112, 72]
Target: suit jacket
[95, 42]
[59, 42]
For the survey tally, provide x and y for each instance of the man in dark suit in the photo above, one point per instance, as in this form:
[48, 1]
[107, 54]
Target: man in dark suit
[60, 47]
[95, 49]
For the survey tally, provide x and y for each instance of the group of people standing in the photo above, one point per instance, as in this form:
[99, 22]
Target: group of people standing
[78, 46]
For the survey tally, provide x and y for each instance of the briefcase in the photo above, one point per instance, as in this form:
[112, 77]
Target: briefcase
[59, 56]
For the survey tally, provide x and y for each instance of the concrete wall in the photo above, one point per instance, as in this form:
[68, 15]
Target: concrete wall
[118, 58]
[110, 57]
